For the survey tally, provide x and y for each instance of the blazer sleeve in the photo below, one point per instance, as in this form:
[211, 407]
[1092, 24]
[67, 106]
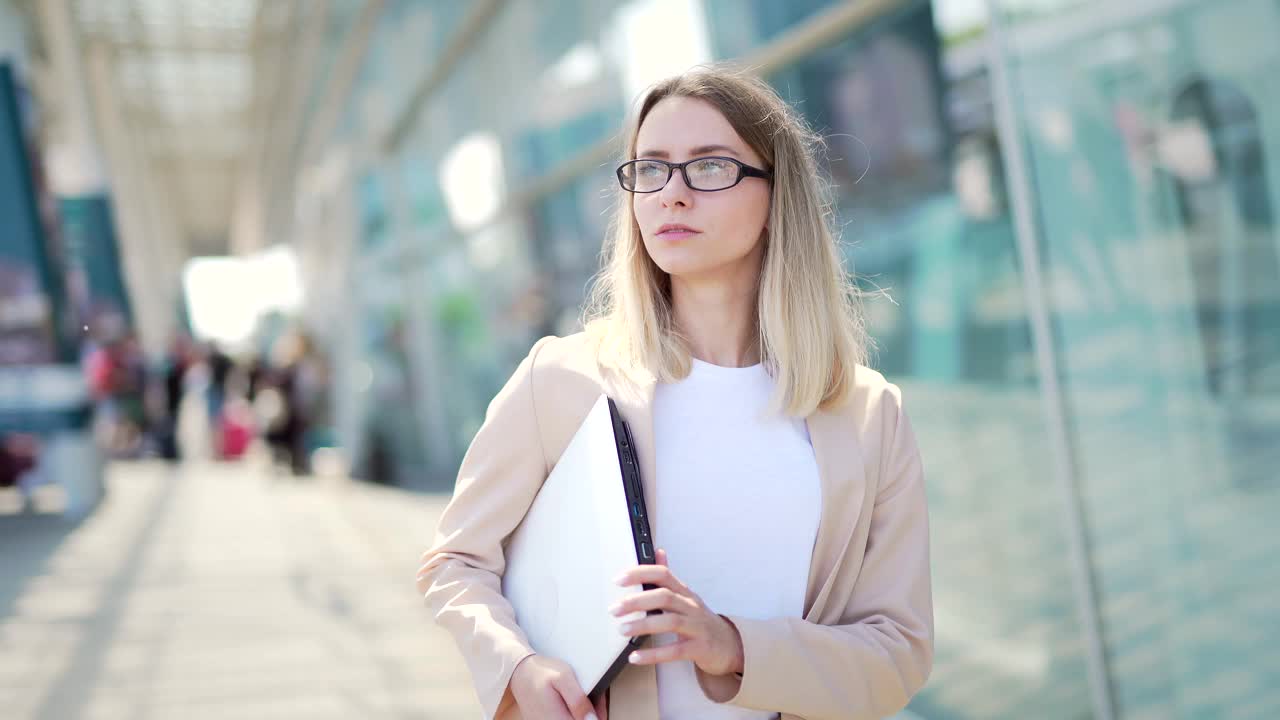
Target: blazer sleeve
[871, 664]
[460, 577]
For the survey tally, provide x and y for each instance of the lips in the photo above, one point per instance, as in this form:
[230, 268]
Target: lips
[672, 230]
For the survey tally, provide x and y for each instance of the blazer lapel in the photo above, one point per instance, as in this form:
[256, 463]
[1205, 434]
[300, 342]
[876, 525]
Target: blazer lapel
[843, 479]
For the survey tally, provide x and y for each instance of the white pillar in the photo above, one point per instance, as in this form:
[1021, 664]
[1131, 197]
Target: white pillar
[89, 129]
[75, 166]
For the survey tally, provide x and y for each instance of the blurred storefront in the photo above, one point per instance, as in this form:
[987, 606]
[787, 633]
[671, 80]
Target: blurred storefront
[45, 404]
[1071, 204]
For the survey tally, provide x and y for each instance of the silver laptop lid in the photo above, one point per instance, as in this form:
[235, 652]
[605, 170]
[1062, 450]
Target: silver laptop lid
[562, 559]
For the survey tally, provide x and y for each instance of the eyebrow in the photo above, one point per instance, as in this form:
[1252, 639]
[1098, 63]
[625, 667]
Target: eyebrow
[700, 150]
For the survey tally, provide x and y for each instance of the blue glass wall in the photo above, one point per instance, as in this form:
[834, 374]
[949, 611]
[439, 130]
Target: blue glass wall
[1153, 137]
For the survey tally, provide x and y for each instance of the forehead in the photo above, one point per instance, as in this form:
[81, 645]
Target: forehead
[678, 125]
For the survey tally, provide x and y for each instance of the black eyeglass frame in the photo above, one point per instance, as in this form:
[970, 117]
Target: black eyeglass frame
[744, 171]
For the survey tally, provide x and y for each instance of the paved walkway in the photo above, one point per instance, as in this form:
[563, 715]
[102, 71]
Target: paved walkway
[219, 591]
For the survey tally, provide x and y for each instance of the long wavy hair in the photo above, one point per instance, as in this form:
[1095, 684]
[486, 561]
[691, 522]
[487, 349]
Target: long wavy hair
[810, 327]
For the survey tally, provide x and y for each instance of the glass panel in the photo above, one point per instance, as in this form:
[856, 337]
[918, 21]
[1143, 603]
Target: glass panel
[922, 200]
[568, 228]
[739, 26]
[1155, 140]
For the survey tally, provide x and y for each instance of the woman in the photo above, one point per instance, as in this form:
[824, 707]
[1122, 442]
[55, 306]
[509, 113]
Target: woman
[784, 482]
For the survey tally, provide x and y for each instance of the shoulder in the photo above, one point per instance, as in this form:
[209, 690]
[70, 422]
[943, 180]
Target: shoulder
[556, 351]
[556, 360]
[876, 416]
[565, 380]
[561, 368]
[873, 401]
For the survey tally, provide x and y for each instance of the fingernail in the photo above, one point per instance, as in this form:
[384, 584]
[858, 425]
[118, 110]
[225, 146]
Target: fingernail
[633, 658]
[626, 628]
[592, 716]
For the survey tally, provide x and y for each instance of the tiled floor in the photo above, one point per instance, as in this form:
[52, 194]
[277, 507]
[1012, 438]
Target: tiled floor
[221, 592]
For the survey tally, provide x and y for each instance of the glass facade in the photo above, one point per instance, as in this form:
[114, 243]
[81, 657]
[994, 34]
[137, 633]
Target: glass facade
[916, 170]
[1148, 131]
[1152, 137]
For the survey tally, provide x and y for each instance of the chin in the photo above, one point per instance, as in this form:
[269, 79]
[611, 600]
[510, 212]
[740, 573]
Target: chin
[683, 263]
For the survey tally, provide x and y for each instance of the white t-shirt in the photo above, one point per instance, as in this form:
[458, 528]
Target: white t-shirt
[737, 510]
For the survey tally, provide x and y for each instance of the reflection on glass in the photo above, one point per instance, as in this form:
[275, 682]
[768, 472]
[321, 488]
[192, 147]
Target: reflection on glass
[1154, 178]
[471, 177]
[922, 200]
[1226, 212]
[653, 39]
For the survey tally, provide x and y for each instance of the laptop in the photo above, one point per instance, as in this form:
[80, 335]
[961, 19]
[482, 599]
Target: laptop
[587, 525]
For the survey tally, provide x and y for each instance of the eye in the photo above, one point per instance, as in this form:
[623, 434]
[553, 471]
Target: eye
[650, 169]
[713, 166]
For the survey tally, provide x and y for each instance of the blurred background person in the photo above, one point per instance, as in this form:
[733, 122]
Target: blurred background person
[296, 379]
[170, 383]
[220, 368]
[118, 378]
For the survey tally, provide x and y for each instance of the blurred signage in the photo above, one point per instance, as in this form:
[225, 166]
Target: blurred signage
[43, 400]
[93, 256]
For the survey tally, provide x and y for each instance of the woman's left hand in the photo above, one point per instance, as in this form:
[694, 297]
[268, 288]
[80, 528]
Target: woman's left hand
[708, 640]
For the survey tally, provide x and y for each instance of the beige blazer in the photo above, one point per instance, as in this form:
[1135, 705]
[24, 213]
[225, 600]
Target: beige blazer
[865, 644]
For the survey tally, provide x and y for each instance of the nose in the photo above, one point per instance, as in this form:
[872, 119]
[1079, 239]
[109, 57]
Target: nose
[676, 192]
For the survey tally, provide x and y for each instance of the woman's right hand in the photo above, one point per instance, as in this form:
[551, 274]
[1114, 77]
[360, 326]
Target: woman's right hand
[545, 687]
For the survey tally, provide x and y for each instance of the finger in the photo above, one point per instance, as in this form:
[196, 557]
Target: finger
[659, 575]
[665, 653]
[660, 557]
[668, 622]
[574, 698]
[636, 574]
[552, 705]
[656, 599]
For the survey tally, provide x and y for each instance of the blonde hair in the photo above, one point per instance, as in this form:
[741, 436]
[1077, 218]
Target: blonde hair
[808, 315]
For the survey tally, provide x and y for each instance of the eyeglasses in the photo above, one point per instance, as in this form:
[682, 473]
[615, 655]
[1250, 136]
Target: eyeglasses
[707, 174]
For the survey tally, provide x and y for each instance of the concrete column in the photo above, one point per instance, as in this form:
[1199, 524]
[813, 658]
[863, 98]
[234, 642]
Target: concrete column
[151, 247]
[95, 166]
[75, 165]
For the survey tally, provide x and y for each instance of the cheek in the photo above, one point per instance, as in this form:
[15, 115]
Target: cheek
[745, 216]
[643, 209]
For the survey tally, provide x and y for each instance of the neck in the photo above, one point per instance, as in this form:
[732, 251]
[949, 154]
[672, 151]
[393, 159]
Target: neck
[718, 319]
